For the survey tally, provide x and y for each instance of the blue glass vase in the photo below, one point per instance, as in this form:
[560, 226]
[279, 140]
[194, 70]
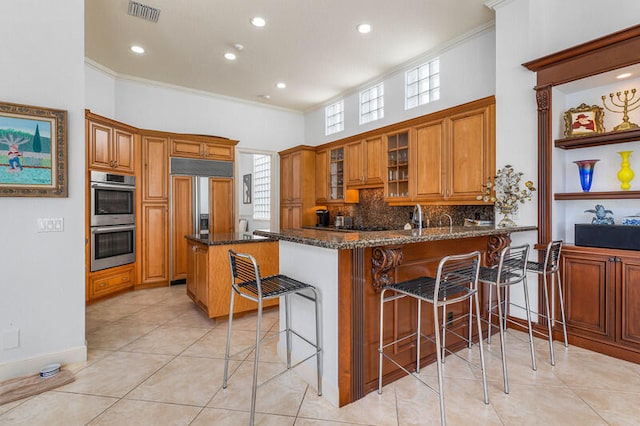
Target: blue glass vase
[585, 167]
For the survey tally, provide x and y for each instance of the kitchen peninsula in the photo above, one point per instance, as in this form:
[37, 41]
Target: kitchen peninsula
[349, 269]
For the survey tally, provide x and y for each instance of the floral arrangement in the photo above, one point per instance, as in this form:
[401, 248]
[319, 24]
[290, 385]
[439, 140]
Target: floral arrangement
[506, 190]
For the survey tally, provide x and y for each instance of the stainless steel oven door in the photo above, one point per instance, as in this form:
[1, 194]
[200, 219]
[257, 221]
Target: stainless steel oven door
[112, 204]
[112, 246]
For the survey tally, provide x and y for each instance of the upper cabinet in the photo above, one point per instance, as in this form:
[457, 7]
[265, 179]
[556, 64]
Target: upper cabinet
[364, 163]
[397, 160]
[336, 175]
[297, 187]
[111, 145]
[203, 147]
[322, 182]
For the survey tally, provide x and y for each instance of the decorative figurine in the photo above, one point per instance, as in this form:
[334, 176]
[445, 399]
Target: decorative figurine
[600, 215]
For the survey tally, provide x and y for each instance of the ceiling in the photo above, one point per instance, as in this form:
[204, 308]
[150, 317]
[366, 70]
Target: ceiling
[312, 46]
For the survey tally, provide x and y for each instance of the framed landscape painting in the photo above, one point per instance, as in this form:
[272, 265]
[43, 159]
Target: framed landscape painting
[33, 151]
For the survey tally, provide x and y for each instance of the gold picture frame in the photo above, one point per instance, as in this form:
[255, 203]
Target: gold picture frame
[583, 120]
[33, 151]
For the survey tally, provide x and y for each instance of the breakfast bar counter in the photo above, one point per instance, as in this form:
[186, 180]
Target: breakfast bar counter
[349, 268]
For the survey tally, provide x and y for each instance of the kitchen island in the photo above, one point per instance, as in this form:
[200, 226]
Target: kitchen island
[208, 273]
[349, 268]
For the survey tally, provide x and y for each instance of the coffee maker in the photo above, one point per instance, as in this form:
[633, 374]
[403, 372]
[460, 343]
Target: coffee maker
[322, 218]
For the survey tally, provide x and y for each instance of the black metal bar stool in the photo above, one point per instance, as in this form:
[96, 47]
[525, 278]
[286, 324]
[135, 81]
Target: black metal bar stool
[246, 282]
[456, 281]
[551, 267]
[511, 269]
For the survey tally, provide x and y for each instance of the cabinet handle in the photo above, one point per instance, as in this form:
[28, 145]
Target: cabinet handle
[618, 260]
[612, 259]
[102, 284]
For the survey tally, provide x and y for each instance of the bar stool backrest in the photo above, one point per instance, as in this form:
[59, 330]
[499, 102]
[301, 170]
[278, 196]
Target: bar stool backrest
[512, 267]
[457, 277]
[552, 256]
[245, 273]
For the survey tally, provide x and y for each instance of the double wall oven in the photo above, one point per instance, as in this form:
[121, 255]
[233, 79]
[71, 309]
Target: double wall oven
[113, 221]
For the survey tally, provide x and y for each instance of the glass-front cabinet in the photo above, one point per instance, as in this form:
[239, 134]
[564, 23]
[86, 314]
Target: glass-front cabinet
[336, 174]
[398, 165]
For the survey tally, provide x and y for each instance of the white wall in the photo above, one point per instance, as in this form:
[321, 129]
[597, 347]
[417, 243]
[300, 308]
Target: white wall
[42, 284]
[467, 70]
[100, 90]
[152, 106]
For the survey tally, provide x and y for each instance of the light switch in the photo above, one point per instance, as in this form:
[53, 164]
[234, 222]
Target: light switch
[50, 224]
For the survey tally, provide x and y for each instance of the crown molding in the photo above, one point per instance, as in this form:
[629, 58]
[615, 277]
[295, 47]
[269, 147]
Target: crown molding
[497, 4]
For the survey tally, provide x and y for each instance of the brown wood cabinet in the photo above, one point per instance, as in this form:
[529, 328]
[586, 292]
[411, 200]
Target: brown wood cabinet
[181, 224]
[110, 281]
[602, 299]
[155, 169]
[206, 147]
[336, 175]
[111, 145]
[322, 181]
[363, 168]
[297, 187]
[155, 245]
[208, 282]
[221, 208]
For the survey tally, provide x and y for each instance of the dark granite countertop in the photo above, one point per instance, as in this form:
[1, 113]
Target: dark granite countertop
[349, 240]
[218, 239]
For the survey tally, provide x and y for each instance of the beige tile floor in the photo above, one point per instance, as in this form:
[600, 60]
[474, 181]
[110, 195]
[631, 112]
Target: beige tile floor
[155, 359]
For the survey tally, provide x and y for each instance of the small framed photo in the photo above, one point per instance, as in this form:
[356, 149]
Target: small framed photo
[583, 120]
[246, 189]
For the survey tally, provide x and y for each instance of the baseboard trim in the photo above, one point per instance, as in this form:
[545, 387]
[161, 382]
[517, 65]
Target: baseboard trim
[28, 366]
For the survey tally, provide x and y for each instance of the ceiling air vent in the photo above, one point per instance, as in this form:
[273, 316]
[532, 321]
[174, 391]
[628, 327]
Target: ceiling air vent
[143, 11]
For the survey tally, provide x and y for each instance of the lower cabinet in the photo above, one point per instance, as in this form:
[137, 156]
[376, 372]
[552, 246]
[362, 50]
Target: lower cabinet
[155, 245]
[109, 281]
[290, 216]
[602, 299]
[208, 275]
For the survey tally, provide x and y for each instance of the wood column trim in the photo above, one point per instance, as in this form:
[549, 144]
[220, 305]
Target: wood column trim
[545, 192]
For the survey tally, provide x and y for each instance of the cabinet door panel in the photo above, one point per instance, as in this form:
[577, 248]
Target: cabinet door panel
[286, 190]
[353, 168]
[629, 307]
[296, 175]
[285, 217]
[100, 155]
[155, 178]
[155, 243]
[221, 199]
[373, 161]
[181, 224]
[182, 148]
[468, 155]
[428, 175]
[588, 295]
[218, 152]
[322, 181]
[123, 150]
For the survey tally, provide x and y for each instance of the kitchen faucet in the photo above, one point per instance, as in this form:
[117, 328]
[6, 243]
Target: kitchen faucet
[417, 216]
[450, 221]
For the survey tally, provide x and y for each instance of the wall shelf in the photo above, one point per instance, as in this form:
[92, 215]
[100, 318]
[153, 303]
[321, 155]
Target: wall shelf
[598, 139]
[608, 195]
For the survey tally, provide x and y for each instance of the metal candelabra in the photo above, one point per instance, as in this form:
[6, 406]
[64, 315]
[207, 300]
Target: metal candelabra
[628, 104]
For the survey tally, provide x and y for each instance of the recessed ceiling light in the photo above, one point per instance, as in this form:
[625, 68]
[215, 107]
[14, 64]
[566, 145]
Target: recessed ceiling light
[265, 97]
[137, 49]
[259, 22]
[364, 28]
[230, 56]
[281, 85]
[624, 75]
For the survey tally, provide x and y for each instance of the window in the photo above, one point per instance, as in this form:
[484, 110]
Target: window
[261, 187]
[423, 84]
[334, 118]
[372, 104]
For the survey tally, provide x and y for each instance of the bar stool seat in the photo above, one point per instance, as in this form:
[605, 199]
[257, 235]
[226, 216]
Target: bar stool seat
[511, 269]
[456, 281]
[246, 282]
[551, 267]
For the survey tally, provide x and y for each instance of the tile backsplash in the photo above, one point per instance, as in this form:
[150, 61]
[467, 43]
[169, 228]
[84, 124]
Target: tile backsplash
[373, 211]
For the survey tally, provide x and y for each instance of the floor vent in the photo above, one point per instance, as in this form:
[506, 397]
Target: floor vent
[143, 11]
